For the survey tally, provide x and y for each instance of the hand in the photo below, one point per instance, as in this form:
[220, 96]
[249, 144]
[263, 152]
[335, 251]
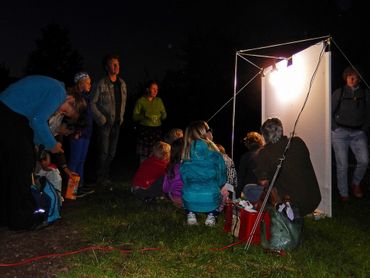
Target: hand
[224, 191]
[103, 121]
[64, 130]
[264, 183]
[57, 148]
[77, 135]
[152, 117]
[69, 172]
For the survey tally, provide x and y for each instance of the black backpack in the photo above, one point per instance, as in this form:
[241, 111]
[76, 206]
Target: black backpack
[351, 111]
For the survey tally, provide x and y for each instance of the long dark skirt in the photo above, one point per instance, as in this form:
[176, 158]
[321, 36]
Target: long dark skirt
[146, 137]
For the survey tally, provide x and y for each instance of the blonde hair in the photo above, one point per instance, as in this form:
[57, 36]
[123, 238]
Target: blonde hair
[221, 148]
[253, 140]
[162, 150]
[79, 103]
[196, 131]
[173, 135]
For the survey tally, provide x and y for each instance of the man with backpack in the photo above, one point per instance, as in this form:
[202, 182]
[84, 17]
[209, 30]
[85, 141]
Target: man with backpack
[350, 123]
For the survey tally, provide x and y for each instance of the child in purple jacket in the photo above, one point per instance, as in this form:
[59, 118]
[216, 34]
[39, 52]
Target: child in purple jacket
[172, 184]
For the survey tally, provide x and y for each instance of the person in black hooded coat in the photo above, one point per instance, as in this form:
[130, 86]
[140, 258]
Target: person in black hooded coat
[296, 180]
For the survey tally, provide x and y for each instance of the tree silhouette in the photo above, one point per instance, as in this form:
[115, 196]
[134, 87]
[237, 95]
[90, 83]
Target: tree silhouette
[54, 55]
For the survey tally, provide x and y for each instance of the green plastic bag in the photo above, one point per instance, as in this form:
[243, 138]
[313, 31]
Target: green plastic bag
[285, 233]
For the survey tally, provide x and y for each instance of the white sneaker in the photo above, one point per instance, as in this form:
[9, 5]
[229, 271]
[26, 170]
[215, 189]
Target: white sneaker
[210, 220]
[192, 219]
[249, 207]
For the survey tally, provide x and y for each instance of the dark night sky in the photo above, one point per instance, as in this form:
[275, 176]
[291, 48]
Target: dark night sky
[145, 35]
[149, 36]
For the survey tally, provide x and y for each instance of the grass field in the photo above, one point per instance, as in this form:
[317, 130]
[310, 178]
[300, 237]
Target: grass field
[331, 247]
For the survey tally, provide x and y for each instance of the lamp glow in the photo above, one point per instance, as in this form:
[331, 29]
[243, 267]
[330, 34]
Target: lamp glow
[288, 82]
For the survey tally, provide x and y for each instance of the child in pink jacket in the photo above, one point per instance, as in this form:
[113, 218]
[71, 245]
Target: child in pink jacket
[172, 184]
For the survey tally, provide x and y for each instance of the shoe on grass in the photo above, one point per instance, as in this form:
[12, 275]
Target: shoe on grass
[210, 220]
[83, 191]
[357, 191]
[192, 219]
[344, 199]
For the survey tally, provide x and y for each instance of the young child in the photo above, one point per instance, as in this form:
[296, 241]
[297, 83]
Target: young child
[173, 134]
[228, 191]
[248, 187]
[62, 126]
[79, 145]
[172, 184]
[203, 173]
[148, 179]
[50, 171]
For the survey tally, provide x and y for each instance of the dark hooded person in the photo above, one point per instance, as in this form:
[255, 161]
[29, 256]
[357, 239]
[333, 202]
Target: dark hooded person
[296, 179]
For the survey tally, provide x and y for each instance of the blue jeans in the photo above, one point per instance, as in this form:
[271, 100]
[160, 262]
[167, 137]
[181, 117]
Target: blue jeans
[78, 153]
[107, 140]
[342, 139]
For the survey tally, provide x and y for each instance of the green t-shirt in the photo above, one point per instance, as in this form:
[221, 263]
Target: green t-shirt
[149, 113]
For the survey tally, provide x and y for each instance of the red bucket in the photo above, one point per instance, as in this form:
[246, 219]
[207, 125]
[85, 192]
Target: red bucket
[241, 223]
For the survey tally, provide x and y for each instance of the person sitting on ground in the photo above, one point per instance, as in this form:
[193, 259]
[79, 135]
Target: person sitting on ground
[172, 184]
[296, 180]
[148, 179]
[248, 187]
[203, 173]
[44, 168]
[173, 134]
[228, 190]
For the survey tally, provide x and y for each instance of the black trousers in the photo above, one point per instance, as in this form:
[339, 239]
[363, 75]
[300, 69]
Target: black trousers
[154, 191]
[108, 136]
[17, 159]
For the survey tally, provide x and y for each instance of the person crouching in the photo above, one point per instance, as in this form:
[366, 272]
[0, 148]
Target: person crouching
[148, 179]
